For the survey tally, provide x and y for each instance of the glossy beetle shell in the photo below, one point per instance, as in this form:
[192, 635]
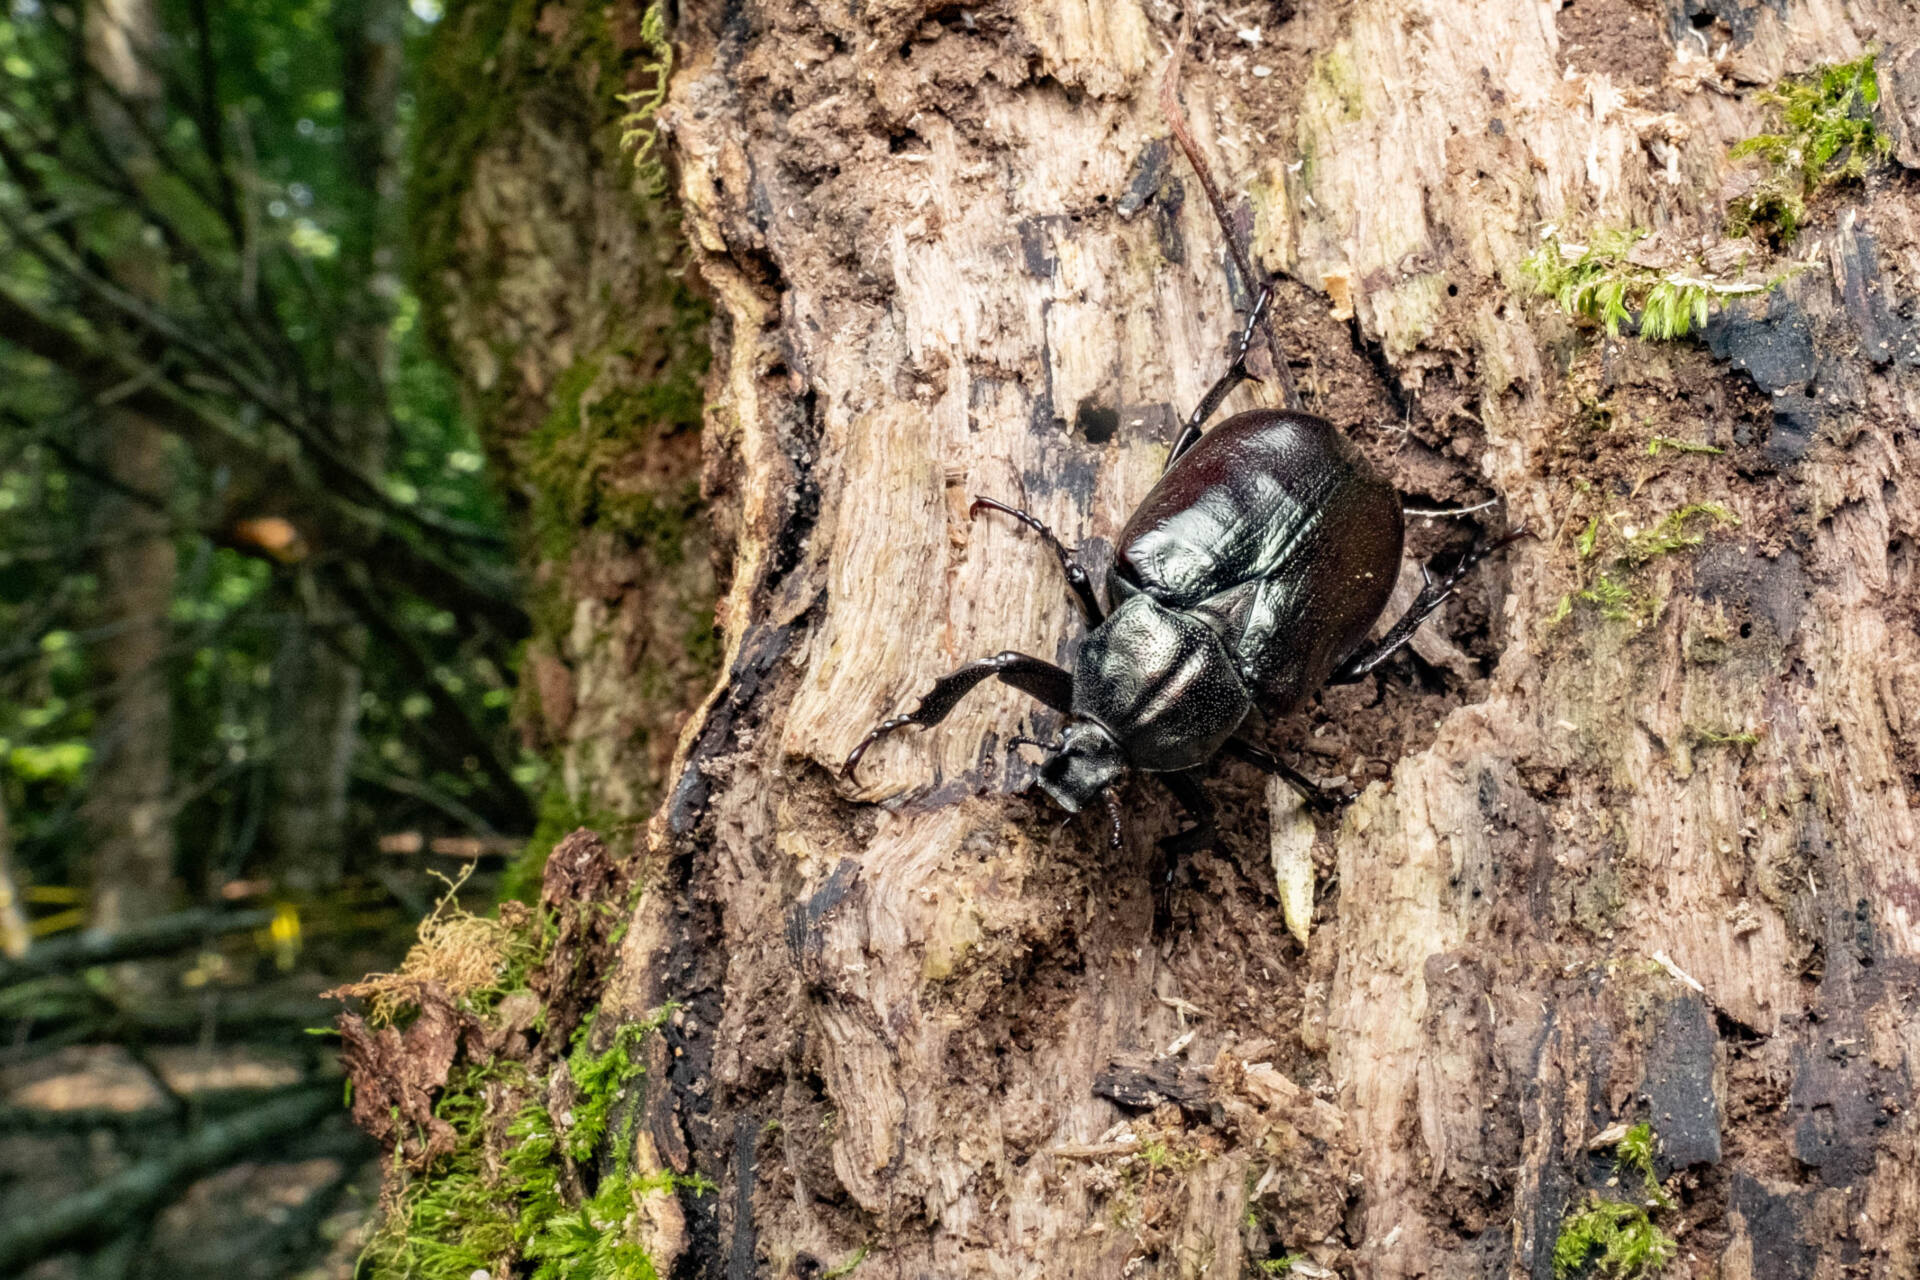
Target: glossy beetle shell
[1279, 535]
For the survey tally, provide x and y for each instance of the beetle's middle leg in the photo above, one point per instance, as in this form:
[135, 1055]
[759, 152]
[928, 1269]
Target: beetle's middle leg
[1077, 579]
[1316, 796]
[1432, 596]
[1044, 681]
[1235, 375]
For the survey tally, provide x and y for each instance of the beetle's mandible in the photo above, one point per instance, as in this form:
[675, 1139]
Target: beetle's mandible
[1250, 576]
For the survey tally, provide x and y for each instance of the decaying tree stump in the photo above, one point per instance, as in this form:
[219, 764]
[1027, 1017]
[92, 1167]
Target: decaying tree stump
[1657, 866]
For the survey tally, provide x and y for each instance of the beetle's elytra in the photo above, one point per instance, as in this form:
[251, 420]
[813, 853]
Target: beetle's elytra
[1250, 576]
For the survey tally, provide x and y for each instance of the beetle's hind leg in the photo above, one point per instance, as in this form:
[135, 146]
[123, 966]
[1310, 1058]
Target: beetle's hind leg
[1235, 375]
[1432, 596]
[1077, 579]
[1044, 681]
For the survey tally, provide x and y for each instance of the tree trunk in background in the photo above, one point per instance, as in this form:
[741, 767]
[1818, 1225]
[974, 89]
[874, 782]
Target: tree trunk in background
[951, 253]
[554, 283]
[128, 806]
[15, 935]
[317, 672]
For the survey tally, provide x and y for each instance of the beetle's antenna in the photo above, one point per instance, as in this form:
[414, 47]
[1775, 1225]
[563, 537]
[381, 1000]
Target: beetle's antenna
[1177, 122]
[1020, 740]
[1113, 815]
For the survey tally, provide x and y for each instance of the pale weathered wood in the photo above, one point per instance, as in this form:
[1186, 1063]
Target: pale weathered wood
[944, 264]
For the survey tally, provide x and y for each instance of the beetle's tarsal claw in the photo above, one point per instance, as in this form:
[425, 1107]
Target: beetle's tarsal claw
[880, 731]
[1117, 837]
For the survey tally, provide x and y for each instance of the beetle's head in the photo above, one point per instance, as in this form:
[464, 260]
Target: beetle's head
[1086, 762]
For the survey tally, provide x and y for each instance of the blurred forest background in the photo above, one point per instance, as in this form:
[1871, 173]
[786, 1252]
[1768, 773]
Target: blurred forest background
[258, 621]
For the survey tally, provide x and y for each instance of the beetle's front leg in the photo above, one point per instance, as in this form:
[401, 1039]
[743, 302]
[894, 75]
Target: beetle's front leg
[1043, 680]
[1167, 853]
[1077, 579]
[1432, 596]
[1192, 796]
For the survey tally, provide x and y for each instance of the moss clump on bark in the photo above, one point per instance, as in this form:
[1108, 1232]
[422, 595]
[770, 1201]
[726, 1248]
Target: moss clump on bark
[498, 1199]
[1607, 582]
[1827, 135]
[586, 463]
[1600, 282]
[1619, 1238]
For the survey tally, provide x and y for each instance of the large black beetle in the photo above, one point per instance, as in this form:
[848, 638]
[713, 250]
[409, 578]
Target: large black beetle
[1249, 577]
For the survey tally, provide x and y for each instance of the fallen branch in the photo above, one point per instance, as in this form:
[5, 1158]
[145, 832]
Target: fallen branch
[106, 1209]
[162, 936]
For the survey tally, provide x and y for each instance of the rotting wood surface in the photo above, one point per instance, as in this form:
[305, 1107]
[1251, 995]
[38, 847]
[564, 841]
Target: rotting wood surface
[952, 255]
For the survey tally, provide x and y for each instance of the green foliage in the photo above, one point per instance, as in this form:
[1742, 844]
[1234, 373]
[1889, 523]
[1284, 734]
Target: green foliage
[1826, 135]
[602, 1080]
[1280, 1266]
[248, 205]
[1729, 738]
[1635, 1154]
[1615, 600]
[1619, 1238]
[1596, 281]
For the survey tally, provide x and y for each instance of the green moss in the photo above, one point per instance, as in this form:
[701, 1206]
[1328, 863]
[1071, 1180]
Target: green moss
[1597, 281]
[1657, 443]
[1335, 79]
[606, 410]
[846, 1268]
[1672, 532]
[639, 134]
[1623, 1236]
[1609, 586]
[472, 1213]
[1616, 1238]
[1616, 601]
[602, 1079]
[1826, 135]
[1635, 1154]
